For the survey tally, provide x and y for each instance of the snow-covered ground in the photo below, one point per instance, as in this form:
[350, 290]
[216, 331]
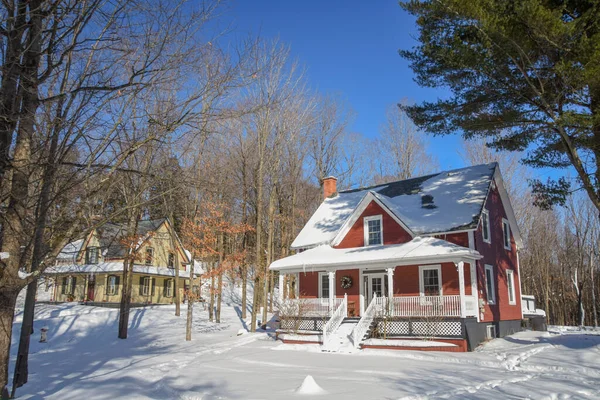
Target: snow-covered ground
[84, 359]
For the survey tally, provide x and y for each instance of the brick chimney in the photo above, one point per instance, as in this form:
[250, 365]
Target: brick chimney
[329, 186]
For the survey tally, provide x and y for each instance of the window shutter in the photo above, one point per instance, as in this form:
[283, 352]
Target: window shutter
[107, 281]
[153, 285]
[117, 283]
[165, 287]
[141, 286]
[73, 283]
[64, 285]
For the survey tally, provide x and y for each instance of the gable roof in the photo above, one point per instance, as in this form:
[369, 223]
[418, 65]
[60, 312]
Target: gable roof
[438, 203]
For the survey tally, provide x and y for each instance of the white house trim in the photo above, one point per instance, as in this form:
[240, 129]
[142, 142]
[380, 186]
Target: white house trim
[508, 209]
[366, 221]
[422, 268]
[486, 229]
[362, 206]
[490, 293]
[505, 230]
[510, 286]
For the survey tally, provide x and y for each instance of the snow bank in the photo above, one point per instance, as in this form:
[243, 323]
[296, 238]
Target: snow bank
[310, 387]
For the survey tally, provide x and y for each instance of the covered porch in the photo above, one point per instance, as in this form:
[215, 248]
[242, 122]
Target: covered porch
[425, 278]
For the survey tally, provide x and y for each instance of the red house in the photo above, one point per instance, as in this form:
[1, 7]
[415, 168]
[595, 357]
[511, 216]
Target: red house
[433, 257]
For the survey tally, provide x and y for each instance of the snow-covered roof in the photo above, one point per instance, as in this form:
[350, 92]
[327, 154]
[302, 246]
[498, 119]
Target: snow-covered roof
[420, 249]
[115, 267]
[70, 251]
[443, 202]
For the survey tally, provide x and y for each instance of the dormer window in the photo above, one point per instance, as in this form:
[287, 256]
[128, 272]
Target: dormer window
[485, 226]
[373, 230]
[91, 255]
[149, 255]
[171, 261]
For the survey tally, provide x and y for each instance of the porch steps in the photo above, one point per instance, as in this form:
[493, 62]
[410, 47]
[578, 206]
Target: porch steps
[340, 341]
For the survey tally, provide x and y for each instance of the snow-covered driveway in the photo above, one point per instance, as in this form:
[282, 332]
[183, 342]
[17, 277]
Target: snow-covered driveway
[85, 360]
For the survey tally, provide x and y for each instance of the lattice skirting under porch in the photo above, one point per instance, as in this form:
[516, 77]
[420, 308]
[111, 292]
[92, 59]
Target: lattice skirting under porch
[417, 327]
[303, 324]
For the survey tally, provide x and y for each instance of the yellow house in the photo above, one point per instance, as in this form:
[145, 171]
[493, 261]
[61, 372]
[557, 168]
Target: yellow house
[91, 269]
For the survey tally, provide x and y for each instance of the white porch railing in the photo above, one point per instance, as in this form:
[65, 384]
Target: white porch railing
[308, 307]
[360, 330]
[431, 306]
[336, 320]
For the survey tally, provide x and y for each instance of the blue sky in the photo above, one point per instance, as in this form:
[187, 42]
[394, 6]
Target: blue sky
[349, 48]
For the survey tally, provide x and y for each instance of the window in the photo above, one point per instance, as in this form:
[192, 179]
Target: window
[168, 287]
[149, 255]
[91, 255]
[430, 280]
[506, 234]
[145, 285]
[373, 230]
[171, 262]
[489, 284]
[510, 282]
[485, 226]
[324, 285]
[68, 285]
[112, 285]
[491, 331]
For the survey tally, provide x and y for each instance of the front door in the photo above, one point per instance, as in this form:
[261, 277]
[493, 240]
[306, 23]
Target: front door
[375, 286]
[91, 288]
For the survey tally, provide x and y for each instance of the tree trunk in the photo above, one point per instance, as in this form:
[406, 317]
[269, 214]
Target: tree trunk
[593, 286]
[219, 295]
[211, 308]
[125, 304]
[8, 299]
[244, 291]
[190, 304]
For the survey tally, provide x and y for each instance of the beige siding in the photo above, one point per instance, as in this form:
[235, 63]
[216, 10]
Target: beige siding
[101, 296]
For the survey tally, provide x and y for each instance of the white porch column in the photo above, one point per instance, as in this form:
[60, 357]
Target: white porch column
[461, 287]
[331, 275]
[390, 280]
[281, 284]
[390, 293]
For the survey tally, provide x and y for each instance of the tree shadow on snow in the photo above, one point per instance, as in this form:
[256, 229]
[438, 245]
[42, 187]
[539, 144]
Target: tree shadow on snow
[571, 341]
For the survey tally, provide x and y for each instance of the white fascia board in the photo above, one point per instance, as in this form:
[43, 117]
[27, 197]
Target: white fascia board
[510, 212]
[362, 206]
[380, 264]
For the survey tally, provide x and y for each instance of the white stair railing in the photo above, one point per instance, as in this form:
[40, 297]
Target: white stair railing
[336, 320]
[360, 330]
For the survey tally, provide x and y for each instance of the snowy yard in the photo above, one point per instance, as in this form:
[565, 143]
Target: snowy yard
[84, 359]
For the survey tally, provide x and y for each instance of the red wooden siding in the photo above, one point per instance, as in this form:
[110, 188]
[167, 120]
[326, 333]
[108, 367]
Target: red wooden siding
[501, 259]
[393, 233]
[309, 284]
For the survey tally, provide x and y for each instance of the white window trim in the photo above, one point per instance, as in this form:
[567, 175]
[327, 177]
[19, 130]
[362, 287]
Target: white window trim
[112, 287]
[146, 288]
[505, 228]
[366, 228]
[510, 286]
[486, 213]
[321, 286]
[422, 268]
[149, 251]
[169, 288]
[490, 332]
[487, 295]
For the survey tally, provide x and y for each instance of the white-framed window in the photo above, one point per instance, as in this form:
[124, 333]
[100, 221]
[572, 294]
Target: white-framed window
[324, 285]
[171, 260]
[145, 289]
[91, 255]
[510, 283]
[490, 284]
[373, 227]
[430, 280]
[112, 285]
[149, 255]
[485, 226]
[168, 287]
[506, 234]
[68, 285]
